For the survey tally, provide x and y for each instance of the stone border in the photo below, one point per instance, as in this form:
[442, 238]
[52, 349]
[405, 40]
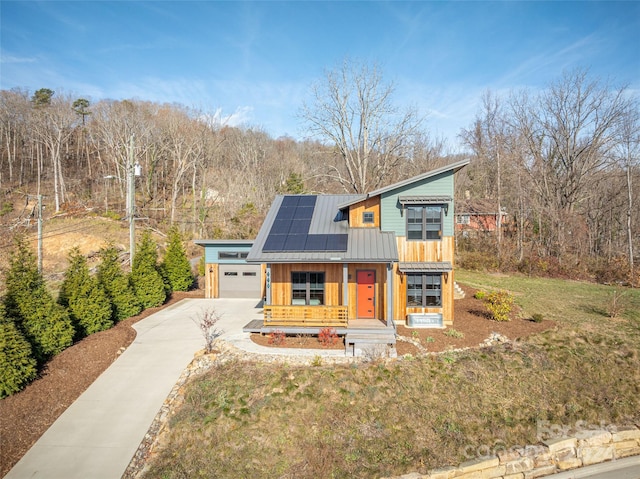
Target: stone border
[552, 456]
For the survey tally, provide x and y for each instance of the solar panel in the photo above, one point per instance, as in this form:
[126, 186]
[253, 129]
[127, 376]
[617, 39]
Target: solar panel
[274, 243]
[307, 200]
[281, 227]
[316, 243]
[286, 212]
[304, 212]
[295, 242]
[299, 227]
[290, 201]
[337, 242]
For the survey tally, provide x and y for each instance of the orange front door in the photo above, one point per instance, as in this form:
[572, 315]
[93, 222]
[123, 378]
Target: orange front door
[365, 294]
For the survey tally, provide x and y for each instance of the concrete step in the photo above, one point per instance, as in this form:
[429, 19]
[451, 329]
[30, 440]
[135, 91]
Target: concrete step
[458, 293]
[370, 345]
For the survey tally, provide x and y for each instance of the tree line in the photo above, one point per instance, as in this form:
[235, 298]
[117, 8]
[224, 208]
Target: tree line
[34, 326]
[561, 162]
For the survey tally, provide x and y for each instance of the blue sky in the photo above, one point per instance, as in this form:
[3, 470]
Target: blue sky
[254, 62]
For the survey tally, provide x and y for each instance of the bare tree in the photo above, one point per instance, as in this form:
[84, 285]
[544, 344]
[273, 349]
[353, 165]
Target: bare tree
[352, 110]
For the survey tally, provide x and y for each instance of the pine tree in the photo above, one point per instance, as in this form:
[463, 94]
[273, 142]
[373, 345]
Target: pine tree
[44, 323]
[145, 277]
[85, 298]
[176, 268]
[117, 285]
[17, 364]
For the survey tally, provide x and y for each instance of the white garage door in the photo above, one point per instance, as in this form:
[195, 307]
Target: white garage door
[239, 281]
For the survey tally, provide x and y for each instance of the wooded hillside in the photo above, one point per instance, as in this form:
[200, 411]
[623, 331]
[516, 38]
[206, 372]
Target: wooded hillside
[561, 162]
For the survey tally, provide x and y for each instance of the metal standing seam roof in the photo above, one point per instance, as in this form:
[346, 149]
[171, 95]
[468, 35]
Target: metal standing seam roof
[364, 244]
[426, 267]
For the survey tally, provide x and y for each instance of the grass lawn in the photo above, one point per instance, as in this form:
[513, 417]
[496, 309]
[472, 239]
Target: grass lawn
[388, 418]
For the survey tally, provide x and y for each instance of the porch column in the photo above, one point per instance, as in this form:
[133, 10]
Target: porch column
[390, 279]
[268, 285]
[345, 284]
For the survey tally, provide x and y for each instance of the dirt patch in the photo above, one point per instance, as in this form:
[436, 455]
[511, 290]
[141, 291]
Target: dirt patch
[27, 415]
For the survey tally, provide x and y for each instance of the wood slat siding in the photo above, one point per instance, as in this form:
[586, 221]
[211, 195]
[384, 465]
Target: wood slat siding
[211, 280]
[281, 282]
[356, 211]
[380, 289]
[309, 316]
[420, 251]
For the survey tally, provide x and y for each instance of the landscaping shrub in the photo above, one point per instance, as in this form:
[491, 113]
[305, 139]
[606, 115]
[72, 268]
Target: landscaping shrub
[328, 337]
[116, 284]
[176, 268]
[17, 364]
[44, 323]
[85, 298]
[537, 318]
[145, 276]
[499, 304]
[277, 337]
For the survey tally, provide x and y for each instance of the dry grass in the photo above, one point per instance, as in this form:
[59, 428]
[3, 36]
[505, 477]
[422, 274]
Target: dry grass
[384, 418]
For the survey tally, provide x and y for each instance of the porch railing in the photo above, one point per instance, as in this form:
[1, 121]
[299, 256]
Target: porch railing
[311, 316]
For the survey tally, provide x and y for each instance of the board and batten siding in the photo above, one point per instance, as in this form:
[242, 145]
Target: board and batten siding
[394, 219]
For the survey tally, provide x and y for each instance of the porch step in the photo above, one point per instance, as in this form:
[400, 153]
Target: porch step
[367, 344]
[458, 293]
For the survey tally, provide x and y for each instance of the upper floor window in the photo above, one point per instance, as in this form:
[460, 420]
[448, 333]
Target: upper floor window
[368, 217]
[424, 222]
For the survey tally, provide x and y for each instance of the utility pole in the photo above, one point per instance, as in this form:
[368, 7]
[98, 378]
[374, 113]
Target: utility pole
[40, 234]
[132, 208]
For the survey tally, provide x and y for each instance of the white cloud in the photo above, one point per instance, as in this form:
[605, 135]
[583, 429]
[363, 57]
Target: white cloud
[4, 58]
[241, 116]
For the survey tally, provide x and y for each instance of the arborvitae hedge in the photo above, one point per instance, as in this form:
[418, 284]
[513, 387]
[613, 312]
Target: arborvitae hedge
[85, 298]
[176, 267]
[116, 284]
[44, 323]
[17, 364]
[145, 277]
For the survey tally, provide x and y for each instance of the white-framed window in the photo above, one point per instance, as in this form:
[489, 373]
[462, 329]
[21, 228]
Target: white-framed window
[463, 219]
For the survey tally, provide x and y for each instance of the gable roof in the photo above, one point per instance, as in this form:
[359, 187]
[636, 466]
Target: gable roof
[292, 234]
[429, 174]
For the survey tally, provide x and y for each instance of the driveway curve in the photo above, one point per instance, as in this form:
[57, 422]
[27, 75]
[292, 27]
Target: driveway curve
[97, 436]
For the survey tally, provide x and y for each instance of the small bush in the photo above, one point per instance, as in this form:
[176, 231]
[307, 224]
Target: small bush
[328, 336]
[316, 361]
[617, 304]
[480, 295]
[454, 333]
[207, 321]
[499, 304]
[277, 337]
[537, 318]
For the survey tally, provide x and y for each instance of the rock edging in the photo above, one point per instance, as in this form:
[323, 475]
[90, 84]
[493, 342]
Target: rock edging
[552, 456]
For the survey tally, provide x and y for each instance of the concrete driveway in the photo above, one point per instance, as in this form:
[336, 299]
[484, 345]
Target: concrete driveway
[97, 436]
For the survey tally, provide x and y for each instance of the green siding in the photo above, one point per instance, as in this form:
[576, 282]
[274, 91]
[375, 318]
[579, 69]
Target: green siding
[211, 252]
[391, 217]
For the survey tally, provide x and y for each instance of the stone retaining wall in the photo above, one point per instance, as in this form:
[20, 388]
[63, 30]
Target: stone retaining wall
[552, 456]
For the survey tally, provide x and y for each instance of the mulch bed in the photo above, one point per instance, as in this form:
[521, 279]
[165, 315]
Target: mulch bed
[471, 319]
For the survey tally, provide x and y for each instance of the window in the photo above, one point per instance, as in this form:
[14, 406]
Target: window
[232, 254]
[464, 219]
[307, 288]
[424, 290]
[368, 217]
[424, 222]
[231, 273]
[249, 273]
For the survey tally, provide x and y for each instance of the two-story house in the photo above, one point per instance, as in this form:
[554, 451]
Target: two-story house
[357, 262]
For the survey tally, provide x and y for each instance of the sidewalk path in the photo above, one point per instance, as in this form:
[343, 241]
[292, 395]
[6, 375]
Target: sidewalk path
[97, 436]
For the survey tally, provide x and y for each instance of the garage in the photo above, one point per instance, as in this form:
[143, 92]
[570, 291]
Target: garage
[239, 281]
